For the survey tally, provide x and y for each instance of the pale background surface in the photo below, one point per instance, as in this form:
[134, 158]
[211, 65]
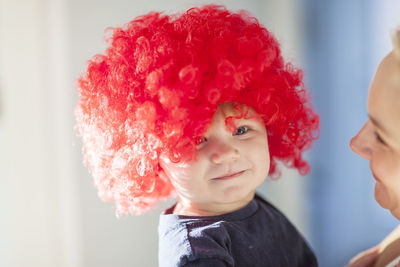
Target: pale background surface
[51, 215]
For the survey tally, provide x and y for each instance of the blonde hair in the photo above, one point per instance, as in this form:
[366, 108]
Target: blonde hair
[396, 42]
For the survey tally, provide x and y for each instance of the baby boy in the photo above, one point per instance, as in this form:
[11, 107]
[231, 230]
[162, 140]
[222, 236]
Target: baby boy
[200, 105]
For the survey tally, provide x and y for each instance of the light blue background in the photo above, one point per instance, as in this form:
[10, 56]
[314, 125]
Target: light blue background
[341, 55]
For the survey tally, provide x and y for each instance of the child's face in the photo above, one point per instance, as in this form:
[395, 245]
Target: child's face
[229, 166]
[379, 140]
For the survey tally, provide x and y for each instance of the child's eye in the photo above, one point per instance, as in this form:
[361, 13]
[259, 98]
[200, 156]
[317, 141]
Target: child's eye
[201, 140]
[241, 130]
[379, 138]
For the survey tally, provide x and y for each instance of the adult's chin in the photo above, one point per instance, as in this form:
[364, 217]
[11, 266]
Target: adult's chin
[382, 196]
[396, 213]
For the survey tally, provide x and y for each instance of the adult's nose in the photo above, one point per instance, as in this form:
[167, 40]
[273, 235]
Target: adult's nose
[361, 143]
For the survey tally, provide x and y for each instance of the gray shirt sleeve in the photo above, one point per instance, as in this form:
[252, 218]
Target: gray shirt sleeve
[208, 263]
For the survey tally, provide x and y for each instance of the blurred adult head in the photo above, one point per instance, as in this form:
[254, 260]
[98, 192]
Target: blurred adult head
[379, 139]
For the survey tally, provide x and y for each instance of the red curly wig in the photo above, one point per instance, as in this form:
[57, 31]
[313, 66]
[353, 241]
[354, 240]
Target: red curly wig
[157, 86]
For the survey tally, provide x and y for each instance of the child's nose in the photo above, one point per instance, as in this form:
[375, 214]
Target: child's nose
[224, 153]
[360, 144]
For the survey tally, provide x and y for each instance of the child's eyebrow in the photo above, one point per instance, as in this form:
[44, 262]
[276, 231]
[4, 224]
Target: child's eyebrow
[251, 120]
[252, 117]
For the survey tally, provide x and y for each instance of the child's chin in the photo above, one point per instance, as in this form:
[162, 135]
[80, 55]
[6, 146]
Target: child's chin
[236, 196]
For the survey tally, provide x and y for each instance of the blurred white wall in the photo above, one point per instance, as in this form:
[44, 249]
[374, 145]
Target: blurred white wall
[39, 167]
[51, 213]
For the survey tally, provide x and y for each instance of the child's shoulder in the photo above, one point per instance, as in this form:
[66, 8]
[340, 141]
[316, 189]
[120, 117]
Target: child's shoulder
[268, 207]
[234, 238]
[259, 215]
[187, 239]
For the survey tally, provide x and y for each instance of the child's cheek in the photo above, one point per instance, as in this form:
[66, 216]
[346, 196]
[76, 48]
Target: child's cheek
[179, 173]
[261, 154]
[175, 170]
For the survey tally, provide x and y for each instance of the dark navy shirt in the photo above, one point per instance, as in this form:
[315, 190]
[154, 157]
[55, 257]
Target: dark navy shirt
[256, 235]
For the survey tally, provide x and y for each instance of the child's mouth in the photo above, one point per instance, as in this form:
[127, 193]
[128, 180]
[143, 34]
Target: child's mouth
[229, 176]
